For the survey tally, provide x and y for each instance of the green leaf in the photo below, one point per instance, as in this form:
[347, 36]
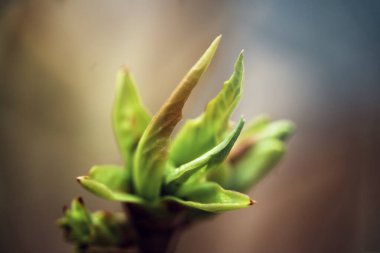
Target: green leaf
[113, 176]
[281, 130]
[76, 223]
[94, 229]
[210, 127]
[129, 116]
[256, 163]
[103, 191]
[110, 229]
[213, 157]
[151, 154]
[255, 126]
[258, 130]
[210, 197]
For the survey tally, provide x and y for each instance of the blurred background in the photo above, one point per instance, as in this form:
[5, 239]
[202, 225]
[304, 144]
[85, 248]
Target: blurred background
[314, 62]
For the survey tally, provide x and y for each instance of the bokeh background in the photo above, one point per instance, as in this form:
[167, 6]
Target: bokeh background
[314, 62]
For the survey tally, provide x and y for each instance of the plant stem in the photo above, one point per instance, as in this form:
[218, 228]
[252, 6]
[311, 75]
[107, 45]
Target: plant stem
[155, 234]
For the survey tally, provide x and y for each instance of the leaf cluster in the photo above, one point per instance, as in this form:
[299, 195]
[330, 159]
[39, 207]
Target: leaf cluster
[204, 168]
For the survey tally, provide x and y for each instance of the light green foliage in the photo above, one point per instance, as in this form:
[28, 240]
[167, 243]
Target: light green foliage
[213, 157]
[210, 197]
[103, 191]
[263, 147]
[208, 129]
[113, 176]
[97, 229]
[129, 116]
[152, 149]
[257, 162]
[202, 170]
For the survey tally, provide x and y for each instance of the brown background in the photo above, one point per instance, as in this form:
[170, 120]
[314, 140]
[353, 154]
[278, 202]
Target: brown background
[314, 62]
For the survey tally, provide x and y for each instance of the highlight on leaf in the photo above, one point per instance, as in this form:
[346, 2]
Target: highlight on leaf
[129, 116]
[151, 154]
[103, 191]
[164, 185]
[256, 164]
[209, 159]
[209, 128]
[210, 197]
[100, 229]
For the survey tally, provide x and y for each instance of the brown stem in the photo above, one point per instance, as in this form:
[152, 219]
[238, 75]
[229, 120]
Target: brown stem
[155, 233]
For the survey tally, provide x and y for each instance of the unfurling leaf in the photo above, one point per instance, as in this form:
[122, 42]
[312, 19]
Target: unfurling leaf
[111, 229]
[213, 157]
[254, 126]
[151, 154]
[96, 229]
[113, 176]
[210, 197]
[281, 130]
[107, 182]
[129, 116]
[210, 127]
[76, 223]
[256, 163]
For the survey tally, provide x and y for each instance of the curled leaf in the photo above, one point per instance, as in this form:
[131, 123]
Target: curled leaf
[129, 116]
[213, 157]
[255, 126]
[103, 191]
[256, 163]
[210, 197]
[98, 229]
[151, 154]
[111, 229]
[258, 130]
[280, 129]
[113, 176]
[210, 127]
[76, 223]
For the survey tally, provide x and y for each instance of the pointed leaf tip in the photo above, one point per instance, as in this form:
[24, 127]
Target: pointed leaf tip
[129, 116]
[154, 143]
[211, 126]
[213, 157]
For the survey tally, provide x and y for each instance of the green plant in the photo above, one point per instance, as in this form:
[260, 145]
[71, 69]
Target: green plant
[164, 186]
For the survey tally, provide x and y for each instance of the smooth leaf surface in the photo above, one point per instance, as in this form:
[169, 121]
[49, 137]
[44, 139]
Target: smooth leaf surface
[280, 129]
[110, 229]
[256, 163]
[255, 126]
[213, 157]
[76, 223]
[151, 155]
[103, 191]
[258, 130]
[210, 197]
[210, 127]
[129, 116]
[113, 176]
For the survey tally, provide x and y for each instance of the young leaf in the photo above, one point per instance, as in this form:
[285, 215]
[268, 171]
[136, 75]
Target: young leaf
[256, 163]
[76, 223]
[247, 138]
[209, 128]
[213, 157]
[103, 191]
[151, 154]
[210, 197]
[281, 130]
[254, 126]
[113, 176]
[110, 229]
[129, 116]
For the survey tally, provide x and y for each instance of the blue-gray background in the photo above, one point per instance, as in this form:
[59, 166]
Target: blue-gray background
[314, 62]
